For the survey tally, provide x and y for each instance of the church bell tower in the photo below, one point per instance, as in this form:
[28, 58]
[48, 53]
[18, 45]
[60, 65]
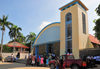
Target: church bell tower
[73, 28]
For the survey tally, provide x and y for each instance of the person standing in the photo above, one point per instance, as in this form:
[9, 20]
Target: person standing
[12, 57]
[47, 61]
[38, 60]
[33, 60]
[30, 59]
[42, 60]
[2, 59]
[57, 63]
[18, 55]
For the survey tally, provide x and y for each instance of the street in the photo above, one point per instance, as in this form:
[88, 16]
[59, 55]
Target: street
[7, 65]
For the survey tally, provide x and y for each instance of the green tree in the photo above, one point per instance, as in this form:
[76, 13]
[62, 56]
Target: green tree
[7, 49]
[30, 39]
[21, 38]
[14, 33]
[3, 24]
[97, 24]
[98, 10]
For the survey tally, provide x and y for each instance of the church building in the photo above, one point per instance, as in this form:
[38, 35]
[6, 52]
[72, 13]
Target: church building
[69, 35]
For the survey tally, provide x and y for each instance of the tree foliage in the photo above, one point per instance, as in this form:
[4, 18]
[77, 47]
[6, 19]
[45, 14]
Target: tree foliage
[14, 32]
[21, 38]
[30, 39]
[3, 24]
[97, 24]
[97, 28]
[98, 10]
[7, 49]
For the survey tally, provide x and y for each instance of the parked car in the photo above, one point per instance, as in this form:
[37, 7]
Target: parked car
[90, 61]
[8, 59]
[69, 62]
[97, 59]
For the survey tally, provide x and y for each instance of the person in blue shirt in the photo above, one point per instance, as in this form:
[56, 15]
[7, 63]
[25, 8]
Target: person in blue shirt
[47, 61]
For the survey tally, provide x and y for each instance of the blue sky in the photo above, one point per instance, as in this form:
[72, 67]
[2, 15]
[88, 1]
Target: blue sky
[33, 15]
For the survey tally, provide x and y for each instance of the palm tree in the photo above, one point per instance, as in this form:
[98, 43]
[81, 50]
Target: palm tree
[21, 38]
[14, 33]
[30, 39]
[3, 24]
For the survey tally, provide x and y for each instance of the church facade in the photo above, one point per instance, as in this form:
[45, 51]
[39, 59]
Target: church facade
[69, 35]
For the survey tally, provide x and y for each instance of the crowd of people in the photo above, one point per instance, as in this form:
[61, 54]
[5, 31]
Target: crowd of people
[43, 60]
[39, 60]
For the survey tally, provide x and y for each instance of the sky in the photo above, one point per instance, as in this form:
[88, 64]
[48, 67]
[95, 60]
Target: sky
[33, 15]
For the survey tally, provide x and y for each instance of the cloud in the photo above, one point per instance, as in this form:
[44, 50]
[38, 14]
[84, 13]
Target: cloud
[43, 24]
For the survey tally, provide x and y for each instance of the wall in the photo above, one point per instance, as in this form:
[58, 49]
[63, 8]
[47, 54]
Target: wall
[55, 46]
[83, 38]
[22, 55]
[42, 49]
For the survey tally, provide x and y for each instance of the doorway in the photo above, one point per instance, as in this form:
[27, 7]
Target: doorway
[50, 48]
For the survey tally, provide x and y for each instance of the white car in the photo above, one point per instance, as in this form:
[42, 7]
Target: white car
[8, 59]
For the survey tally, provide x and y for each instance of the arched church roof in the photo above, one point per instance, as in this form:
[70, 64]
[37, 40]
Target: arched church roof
[49, 33]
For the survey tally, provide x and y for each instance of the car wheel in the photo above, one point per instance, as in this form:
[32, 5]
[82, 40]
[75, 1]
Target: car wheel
[52, 66]
[75, 67]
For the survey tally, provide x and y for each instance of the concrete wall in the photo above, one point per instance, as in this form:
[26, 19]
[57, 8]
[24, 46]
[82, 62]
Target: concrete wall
[22, 55]
[83, 38]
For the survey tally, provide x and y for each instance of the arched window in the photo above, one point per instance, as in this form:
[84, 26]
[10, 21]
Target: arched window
[68, 17]
[68, 24]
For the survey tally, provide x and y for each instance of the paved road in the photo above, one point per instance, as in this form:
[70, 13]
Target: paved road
[17, 66]
[97, 67]
[6, 65]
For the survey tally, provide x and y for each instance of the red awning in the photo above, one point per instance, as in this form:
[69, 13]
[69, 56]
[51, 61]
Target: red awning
[17, 45]
[94, 39]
